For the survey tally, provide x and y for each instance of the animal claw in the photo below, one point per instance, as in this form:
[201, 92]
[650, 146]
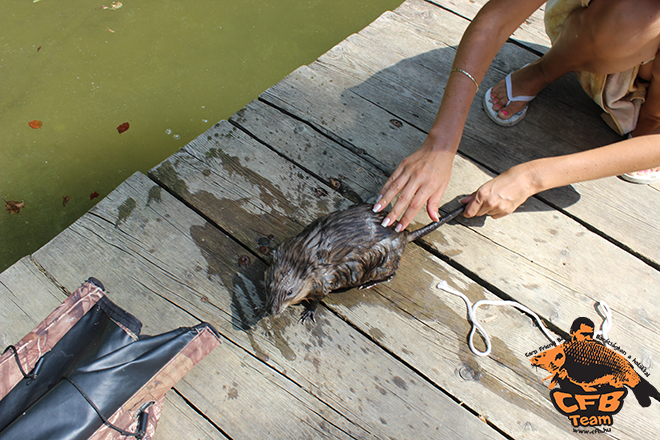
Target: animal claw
[307, 314]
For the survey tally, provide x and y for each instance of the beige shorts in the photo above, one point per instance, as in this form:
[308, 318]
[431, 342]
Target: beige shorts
[620, 95]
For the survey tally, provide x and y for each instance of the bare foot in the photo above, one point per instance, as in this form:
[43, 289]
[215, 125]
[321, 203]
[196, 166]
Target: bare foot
[527, 81]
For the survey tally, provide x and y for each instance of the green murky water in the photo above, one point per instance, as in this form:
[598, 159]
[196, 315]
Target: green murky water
[171, 69]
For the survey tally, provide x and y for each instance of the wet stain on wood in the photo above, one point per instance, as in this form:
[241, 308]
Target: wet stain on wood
[270, 194]
[125, 210]
[274, 329]
[154, 194]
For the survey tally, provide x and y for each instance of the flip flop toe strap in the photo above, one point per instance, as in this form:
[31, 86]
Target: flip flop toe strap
[509, 92]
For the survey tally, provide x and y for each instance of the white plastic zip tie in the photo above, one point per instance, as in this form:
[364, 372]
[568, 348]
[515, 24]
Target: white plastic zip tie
[606, 326]
[476, 326]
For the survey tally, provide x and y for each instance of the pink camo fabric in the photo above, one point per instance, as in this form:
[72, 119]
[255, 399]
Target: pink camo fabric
[44, 337]
[154, 390]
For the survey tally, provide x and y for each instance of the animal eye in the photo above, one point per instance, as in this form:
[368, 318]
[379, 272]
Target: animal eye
[290, 294]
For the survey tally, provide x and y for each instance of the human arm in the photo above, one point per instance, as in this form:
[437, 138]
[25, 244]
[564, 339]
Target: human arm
[505, 193]
[423, 176]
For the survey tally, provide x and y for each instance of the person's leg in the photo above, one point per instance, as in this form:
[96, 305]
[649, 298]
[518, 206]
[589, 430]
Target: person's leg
[649, 114]
[649, 118]
[608, 36]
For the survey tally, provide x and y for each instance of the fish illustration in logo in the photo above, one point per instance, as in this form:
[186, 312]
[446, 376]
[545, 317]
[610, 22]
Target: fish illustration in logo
[588, 364]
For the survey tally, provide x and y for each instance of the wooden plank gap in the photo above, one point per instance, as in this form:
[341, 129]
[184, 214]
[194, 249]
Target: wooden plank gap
[325, 132]
[448, 10]
[199, 212]
[524, 46]
[501, 294]
[48, 275]
[397, 116]
[592, 228]
[310, 393]
[414, 369]
[201, 414]
[352, 196]
[511, 40]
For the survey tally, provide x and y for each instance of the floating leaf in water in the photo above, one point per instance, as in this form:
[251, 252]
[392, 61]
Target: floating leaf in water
[93, 195]
[123, 127]
[36, 124]
[110, 30]
[14, 207]
[65, 200]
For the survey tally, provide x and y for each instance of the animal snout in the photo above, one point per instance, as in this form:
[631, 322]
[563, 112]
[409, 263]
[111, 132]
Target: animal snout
[277, 307]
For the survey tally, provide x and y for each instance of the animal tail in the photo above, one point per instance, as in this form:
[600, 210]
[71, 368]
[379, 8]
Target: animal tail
[644, 391]
[414, 235]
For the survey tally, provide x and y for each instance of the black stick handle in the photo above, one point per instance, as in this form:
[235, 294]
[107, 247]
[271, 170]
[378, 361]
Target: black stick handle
[451, 215]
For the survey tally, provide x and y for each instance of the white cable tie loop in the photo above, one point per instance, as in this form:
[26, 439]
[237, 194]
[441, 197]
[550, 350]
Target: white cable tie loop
[475, 324]
[606, 326]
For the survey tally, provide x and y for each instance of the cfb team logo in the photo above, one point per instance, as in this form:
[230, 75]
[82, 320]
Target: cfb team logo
[589, 381]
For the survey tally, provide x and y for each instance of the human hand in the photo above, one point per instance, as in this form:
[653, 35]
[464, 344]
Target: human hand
[420, 178]
[503, 194]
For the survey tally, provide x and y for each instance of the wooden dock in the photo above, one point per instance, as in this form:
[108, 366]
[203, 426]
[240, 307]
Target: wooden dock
[391, 362]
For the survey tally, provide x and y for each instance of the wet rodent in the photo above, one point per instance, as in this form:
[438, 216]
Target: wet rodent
[343, 249]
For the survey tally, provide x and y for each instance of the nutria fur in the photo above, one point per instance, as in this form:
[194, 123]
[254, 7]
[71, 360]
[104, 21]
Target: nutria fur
[341, 250]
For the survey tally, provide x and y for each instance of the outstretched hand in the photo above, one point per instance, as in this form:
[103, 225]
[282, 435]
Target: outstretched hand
[503, 194]
[420, 179]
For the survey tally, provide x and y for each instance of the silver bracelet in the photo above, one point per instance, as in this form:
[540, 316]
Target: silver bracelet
[456, 69]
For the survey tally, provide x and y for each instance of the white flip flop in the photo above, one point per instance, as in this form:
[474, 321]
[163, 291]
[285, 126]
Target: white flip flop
[644, 177]
[492, 114]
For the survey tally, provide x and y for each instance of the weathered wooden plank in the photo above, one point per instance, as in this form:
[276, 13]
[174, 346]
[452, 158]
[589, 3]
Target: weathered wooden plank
[403, 316]
[232, 193]
[27, 296]
[331, 381]
[389, 79]
[531, 33]
[349, 173]
[178, 420]
[247, 399]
